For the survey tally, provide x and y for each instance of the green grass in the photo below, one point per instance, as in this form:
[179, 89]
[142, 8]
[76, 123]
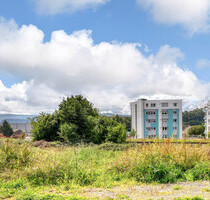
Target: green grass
[178, 141]
[189, 198]
[28, 172]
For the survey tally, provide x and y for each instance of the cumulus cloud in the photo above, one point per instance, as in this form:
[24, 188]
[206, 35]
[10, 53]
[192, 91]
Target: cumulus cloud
[64, 6]
[109, 74]
[193, 15]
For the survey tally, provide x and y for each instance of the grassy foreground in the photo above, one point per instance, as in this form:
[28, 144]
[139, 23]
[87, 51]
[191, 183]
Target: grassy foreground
[63, 172]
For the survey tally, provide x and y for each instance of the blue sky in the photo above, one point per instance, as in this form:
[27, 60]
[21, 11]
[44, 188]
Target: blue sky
[184, 42]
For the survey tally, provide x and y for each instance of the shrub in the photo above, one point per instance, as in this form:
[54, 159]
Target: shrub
[156, 169]
[201, 171]
[117, 134]
[197, 130]
[115, 147]
[14, 156]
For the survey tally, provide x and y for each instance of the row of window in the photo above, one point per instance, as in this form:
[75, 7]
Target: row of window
[166, 128]
[164, 121]
[154, 129]
[163, 113]
[151, 121]
[151, 129]
[150, 113]
[153, 105]
[164, 136]
[166, 112]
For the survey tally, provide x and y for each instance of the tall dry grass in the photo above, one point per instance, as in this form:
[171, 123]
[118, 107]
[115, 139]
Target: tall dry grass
[105, 165]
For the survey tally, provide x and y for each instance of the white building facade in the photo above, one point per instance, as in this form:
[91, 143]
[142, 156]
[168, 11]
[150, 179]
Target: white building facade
[25, 127]
[207, 119]
[157, 118]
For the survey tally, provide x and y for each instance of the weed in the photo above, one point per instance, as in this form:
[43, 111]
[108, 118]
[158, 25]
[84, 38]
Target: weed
[176, 187]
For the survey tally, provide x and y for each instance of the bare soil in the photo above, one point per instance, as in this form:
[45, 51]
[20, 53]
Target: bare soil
[154, 192]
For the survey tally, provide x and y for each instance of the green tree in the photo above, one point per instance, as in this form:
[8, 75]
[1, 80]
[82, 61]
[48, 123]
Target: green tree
[194, 117]
[100, 130]
[45, 127]
[133, 133]
[6, 129]
[117, 134]
[68, 132]
[197, 130]
[78, 110]
[124, 120]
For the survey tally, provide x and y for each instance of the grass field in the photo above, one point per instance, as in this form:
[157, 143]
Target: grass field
[65, 172]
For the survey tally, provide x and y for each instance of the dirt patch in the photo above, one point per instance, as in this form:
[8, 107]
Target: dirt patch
[41, 143]
[155, 192]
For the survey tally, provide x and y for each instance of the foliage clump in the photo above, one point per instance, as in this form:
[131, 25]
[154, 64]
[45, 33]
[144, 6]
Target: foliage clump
[6, 129]
[197, 130]
[75, 121]
[13, 155]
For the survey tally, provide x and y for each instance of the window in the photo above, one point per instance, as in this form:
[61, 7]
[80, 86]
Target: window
[164, 104]
[175, 128]
[174, 112]
[164, 113]
[153, 105]
[165, 128]
[147, 105]
[151, 136]
[174, 120]
[150, 128]
[175, 104]
[151, 121]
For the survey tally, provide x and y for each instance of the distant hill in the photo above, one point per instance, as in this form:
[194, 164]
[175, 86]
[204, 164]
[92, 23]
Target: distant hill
[112, 115]
[12, 118]
[194, 117]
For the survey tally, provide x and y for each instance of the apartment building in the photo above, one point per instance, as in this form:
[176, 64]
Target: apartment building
[157, 118]
[207, 119]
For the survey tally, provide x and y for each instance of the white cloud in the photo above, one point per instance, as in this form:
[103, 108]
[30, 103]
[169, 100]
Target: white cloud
[192, 14]
[64, 6]
[109, 74]
[203, 63]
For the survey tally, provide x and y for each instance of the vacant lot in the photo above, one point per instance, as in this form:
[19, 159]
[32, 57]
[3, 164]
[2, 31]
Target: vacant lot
[108, 171]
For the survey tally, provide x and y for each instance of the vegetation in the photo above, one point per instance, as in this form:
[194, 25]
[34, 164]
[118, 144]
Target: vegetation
[29, 172]
[123, 120]
[194, 117]
[77, 121]
[197, 130]
[6, 129]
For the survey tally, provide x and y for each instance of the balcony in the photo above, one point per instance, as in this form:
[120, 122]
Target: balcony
[165, 124]
[151, 116]
[164, 116]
